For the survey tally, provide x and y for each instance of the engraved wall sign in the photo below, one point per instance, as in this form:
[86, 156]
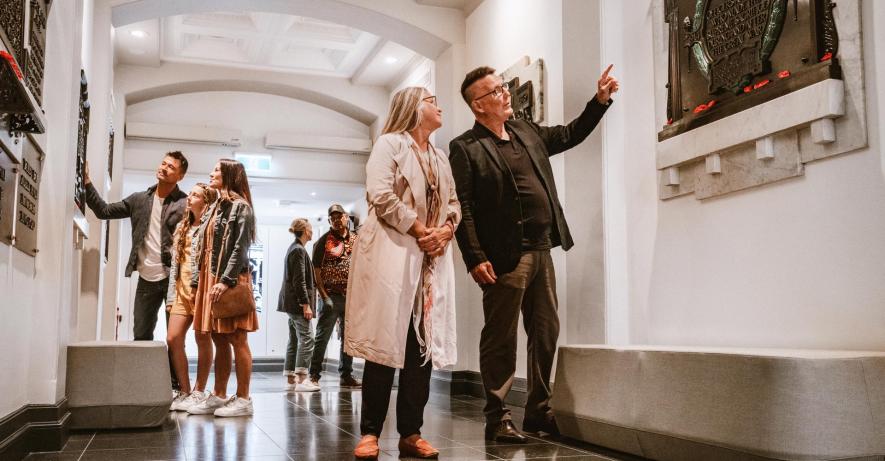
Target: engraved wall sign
[729, 55]
[7, 198]
[28, 197]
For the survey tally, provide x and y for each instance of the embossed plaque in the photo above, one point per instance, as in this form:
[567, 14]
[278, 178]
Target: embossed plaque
[729, 55]
[27, 197]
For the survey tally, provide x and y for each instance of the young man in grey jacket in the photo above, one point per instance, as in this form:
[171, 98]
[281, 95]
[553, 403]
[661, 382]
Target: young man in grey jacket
[154, 214]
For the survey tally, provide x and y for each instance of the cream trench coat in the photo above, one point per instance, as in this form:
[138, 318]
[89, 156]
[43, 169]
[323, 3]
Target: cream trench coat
[385, 266]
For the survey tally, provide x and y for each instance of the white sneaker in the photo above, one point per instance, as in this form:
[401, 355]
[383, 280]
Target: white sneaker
[208, 406]
[236, 407]
[306, 386]
[291, 386]
[186, 401]
[177, 401]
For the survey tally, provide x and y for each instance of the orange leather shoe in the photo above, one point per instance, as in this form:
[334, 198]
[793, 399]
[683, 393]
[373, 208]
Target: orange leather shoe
[416, 447]
[367, 448]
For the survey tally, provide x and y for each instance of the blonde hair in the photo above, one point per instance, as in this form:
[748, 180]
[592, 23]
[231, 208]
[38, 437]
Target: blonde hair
[404, 114]
[299, 225]
[210, 195]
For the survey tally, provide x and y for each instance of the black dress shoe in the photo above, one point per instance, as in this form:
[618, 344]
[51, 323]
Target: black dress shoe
[546, 425]
[505, 431]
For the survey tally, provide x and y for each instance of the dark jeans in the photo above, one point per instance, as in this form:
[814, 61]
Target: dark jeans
[150, 297]
[325, 327]
[412, 395]
[531, 289]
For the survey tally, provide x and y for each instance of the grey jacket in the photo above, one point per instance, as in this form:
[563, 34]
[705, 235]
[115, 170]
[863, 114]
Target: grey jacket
[298, 282]
[137, 207]
[233, 259]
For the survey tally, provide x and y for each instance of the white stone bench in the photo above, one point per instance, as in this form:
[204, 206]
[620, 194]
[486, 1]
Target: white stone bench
[687, 404]
[117, 384]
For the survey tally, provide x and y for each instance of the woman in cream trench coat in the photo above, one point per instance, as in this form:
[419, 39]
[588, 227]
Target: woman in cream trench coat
[385, 280]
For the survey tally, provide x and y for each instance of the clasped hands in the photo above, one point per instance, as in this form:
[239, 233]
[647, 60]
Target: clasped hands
[431, 240]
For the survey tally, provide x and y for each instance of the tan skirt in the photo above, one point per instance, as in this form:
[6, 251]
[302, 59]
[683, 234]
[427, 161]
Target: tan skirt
[204, 322]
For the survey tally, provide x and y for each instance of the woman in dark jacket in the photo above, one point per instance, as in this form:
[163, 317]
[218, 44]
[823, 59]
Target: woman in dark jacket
[297, 299]
[221, 259]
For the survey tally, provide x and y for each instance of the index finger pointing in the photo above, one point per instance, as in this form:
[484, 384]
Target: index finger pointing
[607, 70]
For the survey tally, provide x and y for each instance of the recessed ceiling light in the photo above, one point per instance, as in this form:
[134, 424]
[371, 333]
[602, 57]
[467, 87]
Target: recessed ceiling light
[138, 33]
[391, 60]
[137, 51]
[313, 194]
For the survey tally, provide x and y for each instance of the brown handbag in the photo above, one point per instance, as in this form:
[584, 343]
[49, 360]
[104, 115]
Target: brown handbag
[237, 300]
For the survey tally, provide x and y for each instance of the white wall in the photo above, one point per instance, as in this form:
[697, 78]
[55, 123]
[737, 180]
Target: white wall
[792, 264]
[39, 294]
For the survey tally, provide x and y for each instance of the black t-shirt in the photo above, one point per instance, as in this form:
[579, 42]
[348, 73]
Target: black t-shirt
[537, 214]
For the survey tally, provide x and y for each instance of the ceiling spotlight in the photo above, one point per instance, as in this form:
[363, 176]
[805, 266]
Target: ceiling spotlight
[138, 33]
[313, 194]
[391, 60]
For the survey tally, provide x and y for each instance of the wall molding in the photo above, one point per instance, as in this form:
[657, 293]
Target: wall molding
[34, 428]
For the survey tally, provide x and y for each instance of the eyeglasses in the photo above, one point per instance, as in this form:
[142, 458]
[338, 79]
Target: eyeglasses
[430, 99]
[498, 91]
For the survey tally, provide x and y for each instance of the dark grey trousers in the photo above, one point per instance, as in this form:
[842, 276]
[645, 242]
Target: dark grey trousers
[150, 297]
[325, 326]
[531, 289]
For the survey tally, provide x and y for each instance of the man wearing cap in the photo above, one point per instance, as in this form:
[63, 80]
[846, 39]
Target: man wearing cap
[331, 261]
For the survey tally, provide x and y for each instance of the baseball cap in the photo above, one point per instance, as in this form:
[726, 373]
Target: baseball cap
[336, 208]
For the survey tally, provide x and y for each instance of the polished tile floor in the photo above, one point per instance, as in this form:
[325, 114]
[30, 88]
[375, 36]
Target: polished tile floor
[311, 426]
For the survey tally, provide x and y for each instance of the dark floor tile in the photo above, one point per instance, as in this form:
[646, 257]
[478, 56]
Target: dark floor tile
[531, 451]
[76, 445]
[135, 441]
[53, 456]
[134, 454]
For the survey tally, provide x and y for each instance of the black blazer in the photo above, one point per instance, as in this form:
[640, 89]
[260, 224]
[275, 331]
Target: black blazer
[137, 207]
[298, 283]
[491, 223]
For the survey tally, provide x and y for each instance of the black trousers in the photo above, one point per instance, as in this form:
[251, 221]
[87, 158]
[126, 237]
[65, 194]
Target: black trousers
[530, 289]
[413, 392]
[150, 297]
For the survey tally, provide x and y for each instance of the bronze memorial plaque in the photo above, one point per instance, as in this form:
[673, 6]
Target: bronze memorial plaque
[7, 197]
[28, 195]
[729, 55]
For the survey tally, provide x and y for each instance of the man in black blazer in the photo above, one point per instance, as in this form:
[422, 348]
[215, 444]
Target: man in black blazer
[511, 218]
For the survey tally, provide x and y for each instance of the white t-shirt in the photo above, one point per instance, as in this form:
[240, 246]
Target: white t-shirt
[150, 260]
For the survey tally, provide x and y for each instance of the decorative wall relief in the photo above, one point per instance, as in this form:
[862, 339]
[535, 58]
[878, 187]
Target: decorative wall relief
[527, 89]
[22, 43]
[82, 135]
[754, 90]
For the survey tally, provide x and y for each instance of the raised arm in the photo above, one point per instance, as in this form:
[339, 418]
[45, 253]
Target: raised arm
[104, 210]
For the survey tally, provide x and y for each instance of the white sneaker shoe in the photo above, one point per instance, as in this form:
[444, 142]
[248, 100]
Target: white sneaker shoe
[208, 406]
[306, 386]
[236, 407]
[291, 386]
[186, 401]
[177, 401]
